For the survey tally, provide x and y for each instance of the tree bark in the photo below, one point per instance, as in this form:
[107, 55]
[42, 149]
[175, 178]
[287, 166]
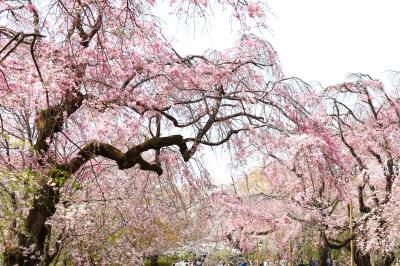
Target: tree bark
[154, 260]
[362, 259]
[323, 253]
[33, 238]
[385, 259]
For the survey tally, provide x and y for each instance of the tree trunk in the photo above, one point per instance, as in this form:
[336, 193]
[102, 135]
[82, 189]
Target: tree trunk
[154, 260]
[32, 241]
[362, 259]
[385, 259]
[323, 253]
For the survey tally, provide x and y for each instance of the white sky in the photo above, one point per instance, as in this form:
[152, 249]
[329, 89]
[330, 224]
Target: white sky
[317, 40]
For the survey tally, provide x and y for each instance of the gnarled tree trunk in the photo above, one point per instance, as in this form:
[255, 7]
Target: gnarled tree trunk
[31, 242]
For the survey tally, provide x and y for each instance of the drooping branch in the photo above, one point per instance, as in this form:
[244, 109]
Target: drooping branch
[351, 149]
[370, 104]
[376, 155]
[349, 110]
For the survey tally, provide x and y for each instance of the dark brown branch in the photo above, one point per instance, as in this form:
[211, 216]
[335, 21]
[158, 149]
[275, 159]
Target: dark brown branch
[21, 39]
[235, 243]
[351, 149]
[363, 207]
[9, 33]
[131, 157]
[348, 110]
[389, 175]
[371, 105]
[86, 37]
[177, 124]
[224, 118]
[261, 233]
[10, 41]
[50, 121]
[217, 143]
[209, 123]
[376, 155]
[334, 205]
[38, 69]
[337, 244]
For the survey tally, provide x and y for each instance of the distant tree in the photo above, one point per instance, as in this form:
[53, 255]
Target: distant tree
[343, 152]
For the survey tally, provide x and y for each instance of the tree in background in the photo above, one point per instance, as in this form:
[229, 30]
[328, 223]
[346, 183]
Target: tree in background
[365, 117]
[343, 153]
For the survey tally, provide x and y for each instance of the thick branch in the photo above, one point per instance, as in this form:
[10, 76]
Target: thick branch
[131, 157]
[50, 121]
[86, 37]
[202, 132]
[339, 244]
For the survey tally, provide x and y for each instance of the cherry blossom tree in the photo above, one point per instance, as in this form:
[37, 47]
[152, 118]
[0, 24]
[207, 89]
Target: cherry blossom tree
[365, 118]
[342, 153]
[99, 114]
[92, 85]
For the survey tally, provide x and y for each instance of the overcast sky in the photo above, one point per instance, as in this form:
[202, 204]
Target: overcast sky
[317, 40]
